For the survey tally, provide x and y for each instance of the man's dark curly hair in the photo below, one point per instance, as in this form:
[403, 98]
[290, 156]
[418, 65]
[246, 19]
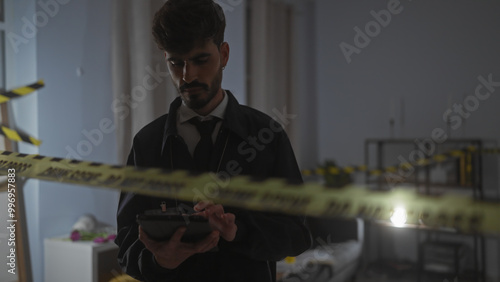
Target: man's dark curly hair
[181, 25]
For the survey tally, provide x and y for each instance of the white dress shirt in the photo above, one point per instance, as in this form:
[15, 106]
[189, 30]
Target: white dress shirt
[189, 132]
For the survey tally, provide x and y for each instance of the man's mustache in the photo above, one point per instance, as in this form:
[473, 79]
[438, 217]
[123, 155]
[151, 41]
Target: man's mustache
[193, 84]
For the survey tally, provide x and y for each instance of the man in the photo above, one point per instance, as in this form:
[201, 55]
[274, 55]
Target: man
[191, 33]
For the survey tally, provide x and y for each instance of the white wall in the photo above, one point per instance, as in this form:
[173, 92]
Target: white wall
[305, 42]
[77, 35]
[76, 40]
[428, 52]
[234, 74]
[21, 62]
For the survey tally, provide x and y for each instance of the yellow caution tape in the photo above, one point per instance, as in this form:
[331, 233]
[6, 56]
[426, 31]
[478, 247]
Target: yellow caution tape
[456, 153]
[335, 170]
[440, 158]
[391, 169]
[362, 168]
[18, 136]
[4, 187]
[423, 162]
[15, 93]
[21, 91]
[471, 149]
[458, 212]
[123, 278]
[349, 169]
[320, 171]
[492, 151]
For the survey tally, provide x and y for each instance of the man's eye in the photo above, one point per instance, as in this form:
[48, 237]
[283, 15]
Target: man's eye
[201, 61]
[177, 63]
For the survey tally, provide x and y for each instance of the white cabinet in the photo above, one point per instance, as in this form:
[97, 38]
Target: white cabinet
[80, 261]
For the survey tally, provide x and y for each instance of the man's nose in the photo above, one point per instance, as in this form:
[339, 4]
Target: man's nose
[189, 73]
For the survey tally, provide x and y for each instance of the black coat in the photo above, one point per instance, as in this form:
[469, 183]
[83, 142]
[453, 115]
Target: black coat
[249, 143]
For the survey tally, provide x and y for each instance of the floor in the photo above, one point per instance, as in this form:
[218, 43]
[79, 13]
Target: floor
[409, 279]
[401, 272]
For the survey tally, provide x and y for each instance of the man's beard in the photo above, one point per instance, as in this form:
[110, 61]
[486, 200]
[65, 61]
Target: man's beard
[196, 102]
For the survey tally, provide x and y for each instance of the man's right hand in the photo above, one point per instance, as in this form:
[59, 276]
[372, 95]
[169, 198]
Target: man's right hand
[170, 254]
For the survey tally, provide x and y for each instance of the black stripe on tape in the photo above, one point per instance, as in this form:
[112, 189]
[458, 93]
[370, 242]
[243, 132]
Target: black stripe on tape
[56, 159]
[38, 157]
[25, 137]
[11, 94]
[6, 153]
[95, 164]
[22, 155]
[36, 85]
[75, 162]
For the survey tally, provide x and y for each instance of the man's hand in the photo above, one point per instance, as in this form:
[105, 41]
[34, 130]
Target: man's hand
[218, 220]
[170, 254]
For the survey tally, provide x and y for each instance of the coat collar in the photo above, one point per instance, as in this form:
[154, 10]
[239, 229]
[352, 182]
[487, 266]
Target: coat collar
[233, 119]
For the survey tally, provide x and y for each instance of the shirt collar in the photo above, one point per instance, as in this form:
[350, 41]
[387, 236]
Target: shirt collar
[185, 113]
[234, 120]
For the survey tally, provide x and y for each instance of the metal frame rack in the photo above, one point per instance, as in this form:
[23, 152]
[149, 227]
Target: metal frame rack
[468, 176]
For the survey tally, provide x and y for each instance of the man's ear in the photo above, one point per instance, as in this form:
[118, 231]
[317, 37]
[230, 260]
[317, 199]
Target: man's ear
[224, 53]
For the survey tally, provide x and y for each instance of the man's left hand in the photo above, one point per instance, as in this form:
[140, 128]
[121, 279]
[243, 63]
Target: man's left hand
[218, 220]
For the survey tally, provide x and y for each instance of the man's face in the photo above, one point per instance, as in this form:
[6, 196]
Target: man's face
[197, 75]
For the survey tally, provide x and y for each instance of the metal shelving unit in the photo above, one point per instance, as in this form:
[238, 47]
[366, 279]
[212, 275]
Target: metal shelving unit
[464, 175]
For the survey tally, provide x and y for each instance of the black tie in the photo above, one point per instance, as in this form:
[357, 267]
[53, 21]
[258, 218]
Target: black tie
[203, 150]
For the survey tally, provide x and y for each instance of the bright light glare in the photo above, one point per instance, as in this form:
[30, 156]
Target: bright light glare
[399, 217]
